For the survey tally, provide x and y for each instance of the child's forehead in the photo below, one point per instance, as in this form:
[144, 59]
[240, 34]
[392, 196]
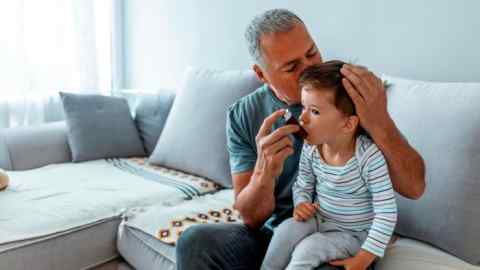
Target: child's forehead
[316, 95]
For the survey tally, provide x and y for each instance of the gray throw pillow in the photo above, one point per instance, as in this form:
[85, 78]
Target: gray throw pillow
[151, 114]
[442, 122]
[194, 139]
[100, 127]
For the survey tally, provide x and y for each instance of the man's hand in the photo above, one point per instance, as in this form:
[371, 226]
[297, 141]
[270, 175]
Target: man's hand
[254, 190]
[304, 211]
[368, 94]
[273, 147]
[405, 165]
[361, 261]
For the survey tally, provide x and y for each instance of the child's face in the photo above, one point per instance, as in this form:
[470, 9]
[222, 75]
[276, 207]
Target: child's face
[320, 118]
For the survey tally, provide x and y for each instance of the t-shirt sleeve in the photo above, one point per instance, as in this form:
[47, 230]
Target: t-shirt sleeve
[242, 155]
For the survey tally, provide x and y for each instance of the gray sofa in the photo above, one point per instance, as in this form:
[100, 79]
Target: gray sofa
[439, 231]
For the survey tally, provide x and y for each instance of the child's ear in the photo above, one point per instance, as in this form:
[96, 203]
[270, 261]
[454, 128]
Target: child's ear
[351, 123]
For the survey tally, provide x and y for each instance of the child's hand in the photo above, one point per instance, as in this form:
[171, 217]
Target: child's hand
[304, 211]
[361, 261]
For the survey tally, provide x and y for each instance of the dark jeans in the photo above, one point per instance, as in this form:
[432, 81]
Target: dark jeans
[223, 247]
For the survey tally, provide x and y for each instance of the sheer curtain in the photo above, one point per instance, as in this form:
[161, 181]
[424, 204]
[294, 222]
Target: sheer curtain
[50, 46]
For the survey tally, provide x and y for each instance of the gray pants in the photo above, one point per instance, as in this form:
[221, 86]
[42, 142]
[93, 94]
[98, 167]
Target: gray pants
[307, 245]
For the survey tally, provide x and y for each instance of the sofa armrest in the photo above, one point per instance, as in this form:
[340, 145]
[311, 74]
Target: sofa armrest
[26, 148]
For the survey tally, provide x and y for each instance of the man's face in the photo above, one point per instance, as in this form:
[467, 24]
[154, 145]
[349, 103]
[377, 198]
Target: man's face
[320, 118]
[285, 56]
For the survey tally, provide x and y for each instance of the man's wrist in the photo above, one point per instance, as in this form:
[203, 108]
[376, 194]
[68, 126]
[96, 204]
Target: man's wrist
[385, 132]
[263, 179]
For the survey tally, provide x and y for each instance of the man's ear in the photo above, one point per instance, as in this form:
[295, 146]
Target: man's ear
[259, 72]
[351, 123]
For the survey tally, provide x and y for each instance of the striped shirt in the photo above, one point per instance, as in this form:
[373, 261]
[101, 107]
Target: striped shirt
[357, 196]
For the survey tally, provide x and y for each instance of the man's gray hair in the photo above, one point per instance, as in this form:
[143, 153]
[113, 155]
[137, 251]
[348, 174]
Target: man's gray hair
[271, 21]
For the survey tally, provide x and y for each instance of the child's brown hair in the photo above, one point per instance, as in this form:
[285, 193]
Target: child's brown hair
[327, 76]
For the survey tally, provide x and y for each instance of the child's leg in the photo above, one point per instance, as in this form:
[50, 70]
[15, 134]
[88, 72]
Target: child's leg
[285, 237]
[322, 247]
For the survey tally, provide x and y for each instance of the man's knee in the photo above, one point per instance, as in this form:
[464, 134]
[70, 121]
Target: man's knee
[193, 238]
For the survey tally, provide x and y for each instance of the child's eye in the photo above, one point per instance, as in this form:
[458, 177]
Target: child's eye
[315, 112]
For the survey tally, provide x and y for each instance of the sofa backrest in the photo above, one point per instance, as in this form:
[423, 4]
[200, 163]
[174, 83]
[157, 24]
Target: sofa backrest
[442, 122]
[26, 148]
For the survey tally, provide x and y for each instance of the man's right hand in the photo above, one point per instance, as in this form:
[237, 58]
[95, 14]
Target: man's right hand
[273, 147]
[304, 211]
[254, 190]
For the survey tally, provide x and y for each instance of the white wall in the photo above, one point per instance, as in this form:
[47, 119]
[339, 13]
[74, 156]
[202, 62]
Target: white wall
[420, 39]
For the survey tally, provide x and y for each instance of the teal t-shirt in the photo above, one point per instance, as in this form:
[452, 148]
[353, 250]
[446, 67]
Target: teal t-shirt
[244, 119]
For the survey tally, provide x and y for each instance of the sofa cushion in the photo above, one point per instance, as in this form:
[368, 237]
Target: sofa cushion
[194, 138]
[151, 112]
[138, 241]
[100, 127]
[414, 255]
[442, 122]
[24, 148]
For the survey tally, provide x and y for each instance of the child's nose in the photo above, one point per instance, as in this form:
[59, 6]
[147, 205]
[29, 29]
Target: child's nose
[303, 118]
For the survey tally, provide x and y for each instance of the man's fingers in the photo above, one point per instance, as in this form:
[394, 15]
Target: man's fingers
[357, 77]
[267, 124]
[352, 92]
[283, 154]
[368, 77]
[372, 80]
[281, 132]
[277, 146]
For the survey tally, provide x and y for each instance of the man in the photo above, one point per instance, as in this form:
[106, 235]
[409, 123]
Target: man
[264, 158]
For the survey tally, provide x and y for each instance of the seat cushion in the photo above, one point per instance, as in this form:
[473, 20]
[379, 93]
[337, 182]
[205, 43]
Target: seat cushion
[137, 240]
[60, 197]
[414, 255]
[77, 248]
[442, 122]
[143, 251]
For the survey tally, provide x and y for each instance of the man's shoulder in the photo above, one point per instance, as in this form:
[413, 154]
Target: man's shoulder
[252, 104]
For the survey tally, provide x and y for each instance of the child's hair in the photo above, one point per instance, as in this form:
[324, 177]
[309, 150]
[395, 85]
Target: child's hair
[327, 77]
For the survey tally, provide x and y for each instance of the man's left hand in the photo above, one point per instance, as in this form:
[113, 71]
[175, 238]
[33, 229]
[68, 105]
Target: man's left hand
[361, 261]
[368, 94]
[350, 264]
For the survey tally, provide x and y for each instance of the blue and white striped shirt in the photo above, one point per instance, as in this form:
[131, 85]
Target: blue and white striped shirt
[357, 196]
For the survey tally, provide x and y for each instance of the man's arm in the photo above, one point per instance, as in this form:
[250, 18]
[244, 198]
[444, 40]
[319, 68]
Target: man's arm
[406, 166]
[254, 190]
[254, 198]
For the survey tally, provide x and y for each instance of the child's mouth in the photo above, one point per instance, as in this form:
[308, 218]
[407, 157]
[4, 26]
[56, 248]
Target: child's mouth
[301, 133]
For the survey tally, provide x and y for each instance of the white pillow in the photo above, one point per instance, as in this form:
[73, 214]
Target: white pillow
[194, 138]
[442, 121]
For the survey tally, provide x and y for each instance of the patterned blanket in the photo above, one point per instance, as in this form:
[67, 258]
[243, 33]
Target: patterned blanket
[171, 234]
